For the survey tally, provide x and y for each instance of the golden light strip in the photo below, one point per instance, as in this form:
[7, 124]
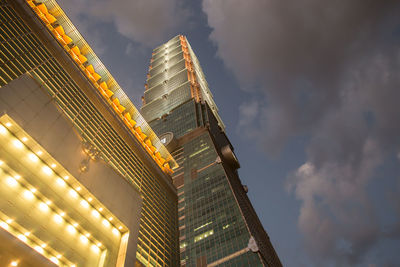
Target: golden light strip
[37, 156]
[102, 85]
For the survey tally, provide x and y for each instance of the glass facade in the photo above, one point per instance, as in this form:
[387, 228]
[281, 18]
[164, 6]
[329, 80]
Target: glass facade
[216, 219]
[25, 49]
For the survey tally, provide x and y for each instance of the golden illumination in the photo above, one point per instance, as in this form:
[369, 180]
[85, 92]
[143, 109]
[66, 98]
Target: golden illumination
[4, 225]
[22, 238]
[18, 144]
[84, 239]
[39, 249]
[53, 165]
[24, 139]
[85, 204]
[47, 170]
[73, 193]
[3, 129]
[43, 207]
[11, 182]
[61, 182]
[95, 214]
[58, 218]
[33, 157]
[14, 263]
[39, 153]
[8, 124]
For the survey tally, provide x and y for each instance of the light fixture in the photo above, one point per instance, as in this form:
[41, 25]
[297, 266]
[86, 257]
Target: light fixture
[47, 170]
[39, 152]
[73, 193]
[11, 182]
[99, 244]
[62, 214]
[84, 204]
[14, 263]
[9, 221]
[54, 259]
[33, 190]
[78, 188]
[33, 157]
[75, 224]
[110, 219]
[120, 227]
[39, 249]
[24, 139]
[43, 207]
[48, 202]
[95, 214]
[100, 209]
[53, 165]
[18, 144]
[44, 245]
[58, 218]
[106, 223]
[22, 238]
[28, 195]
[1, 162]
[90, 199]
[4, 225]
[84, 239]
[115, 231]
[17, 176]
[87, 235]
[66, 177]
[3, 129]
[8, 124]
[58, 256]
[61, 182]
[27, 234]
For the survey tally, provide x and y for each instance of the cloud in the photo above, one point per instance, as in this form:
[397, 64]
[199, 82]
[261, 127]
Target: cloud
[328, 70]
[148, 22]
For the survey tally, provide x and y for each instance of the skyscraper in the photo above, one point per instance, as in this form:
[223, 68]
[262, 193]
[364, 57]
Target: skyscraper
[52, 85]
[217, 223]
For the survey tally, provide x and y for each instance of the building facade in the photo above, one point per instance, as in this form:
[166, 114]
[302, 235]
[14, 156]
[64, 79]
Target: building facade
[40, 48]
[217, 223]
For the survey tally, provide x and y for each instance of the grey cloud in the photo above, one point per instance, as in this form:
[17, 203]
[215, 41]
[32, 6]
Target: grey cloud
[148, 22]
[328, 70]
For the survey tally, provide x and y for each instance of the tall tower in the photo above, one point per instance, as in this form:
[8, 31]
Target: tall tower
[217, 223]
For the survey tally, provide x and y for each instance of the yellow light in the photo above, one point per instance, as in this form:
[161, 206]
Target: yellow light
[18, 144]
[84, 239]
[120, 227]
[54, 259]
[115, 231]
[44, 245]
[53, 165]
[39, 249]
[73, 193]
[95, 214]
[28, 195]
[8, 124]
[90, 199]
[106, 223]
[58, 218]
[11, 182]
[78, 188]
[110, 219]
[48, 202]
[9, 221]
[84, 204]
[43, 207]
[14, 263]
[100, 209]
[17, 176]
[87, 235]
[59, 256]
[27, 234]
[62, 214]
[4, 225]
[61, 182]
[71, 229]
[24, 139]
[39, 152]
[75, 225]
[73, 265]
[33, 157]
[33, 190]
[3, 129]
[66, 177]
[1, 162]
[95, 249]
[99, 244]
[22, 238]
[47, 170]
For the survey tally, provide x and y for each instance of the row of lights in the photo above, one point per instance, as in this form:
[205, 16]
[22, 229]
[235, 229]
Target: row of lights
[73, 192]
[27, 238]
[59, 217]
[65, 40]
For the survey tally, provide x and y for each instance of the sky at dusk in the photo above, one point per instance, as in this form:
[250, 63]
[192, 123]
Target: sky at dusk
[309, 91]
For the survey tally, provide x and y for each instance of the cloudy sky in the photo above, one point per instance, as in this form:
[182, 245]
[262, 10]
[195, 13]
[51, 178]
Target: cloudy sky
[309, 91]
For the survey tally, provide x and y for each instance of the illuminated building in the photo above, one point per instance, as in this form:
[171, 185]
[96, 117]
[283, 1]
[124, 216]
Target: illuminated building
[217, 223]
[84, 171]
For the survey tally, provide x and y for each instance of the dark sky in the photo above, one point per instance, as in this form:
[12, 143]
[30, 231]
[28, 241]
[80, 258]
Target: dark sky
[309, 91]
